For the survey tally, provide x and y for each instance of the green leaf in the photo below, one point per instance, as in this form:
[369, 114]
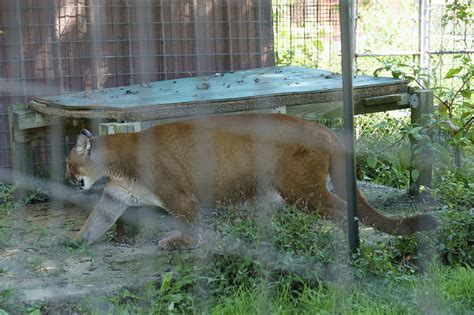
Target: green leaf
[450, 257]
[405, 156]
[443, 153]
[175, 298]
[466, 93]
[377, 71]
[466, 115]
[371, 161]
[468, 104]
[396, 74]
[452, 72]
[166, 282]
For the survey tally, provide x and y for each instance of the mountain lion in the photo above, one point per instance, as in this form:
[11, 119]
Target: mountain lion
[184, 165]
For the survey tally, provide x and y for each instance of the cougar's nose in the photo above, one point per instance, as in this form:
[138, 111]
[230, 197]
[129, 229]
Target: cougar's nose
[77, 183]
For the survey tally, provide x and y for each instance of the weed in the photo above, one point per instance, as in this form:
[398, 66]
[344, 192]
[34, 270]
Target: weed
[456, 237]
[171, 295]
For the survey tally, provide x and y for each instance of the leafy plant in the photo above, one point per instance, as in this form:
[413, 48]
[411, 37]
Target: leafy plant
[456, 237]
[452, 122]
[458, 12]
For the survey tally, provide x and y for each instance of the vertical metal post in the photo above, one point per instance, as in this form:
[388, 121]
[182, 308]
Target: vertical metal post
[345, 14]
[423, 40]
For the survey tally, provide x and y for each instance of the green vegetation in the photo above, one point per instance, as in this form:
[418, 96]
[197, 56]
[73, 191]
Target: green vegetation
[297, 263]
[293, 261]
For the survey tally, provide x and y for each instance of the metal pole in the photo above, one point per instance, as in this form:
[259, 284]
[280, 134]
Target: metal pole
[345, 15]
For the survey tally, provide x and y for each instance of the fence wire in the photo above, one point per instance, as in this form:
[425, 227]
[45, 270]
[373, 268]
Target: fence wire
[53, 47]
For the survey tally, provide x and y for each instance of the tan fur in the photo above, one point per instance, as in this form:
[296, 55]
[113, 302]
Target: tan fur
[183, 165]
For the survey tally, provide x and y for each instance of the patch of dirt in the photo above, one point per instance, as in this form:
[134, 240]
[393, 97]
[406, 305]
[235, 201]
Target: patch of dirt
[36, 271]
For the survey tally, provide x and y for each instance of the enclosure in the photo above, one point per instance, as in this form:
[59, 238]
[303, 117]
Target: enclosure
[124, 66]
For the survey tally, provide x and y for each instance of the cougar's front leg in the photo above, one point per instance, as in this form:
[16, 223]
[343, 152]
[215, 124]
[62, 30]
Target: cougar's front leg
[184, 208]
[109, 208]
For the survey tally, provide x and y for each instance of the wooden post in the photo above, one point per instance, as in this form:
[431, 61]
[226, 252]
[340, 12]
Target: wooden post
[114, 128]
[21, 154]
[421, 107]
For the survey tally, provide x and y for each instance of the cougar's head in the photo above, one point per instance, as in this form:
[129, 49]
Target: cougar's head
[83, 165]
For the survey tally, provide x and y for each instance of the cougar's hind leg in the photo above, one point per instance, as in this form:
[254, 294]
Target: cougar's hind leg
[325, 203]
[305, 185]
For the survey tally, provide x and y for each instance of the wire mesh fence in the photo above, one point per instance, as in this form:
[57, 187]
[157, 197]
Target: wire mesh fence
[307, 33]
[53, 47]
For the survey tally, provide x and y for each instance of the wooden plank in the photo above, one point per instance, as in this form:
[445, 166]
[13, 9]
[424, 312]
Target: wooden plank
[207, 107]
[210, 107]
[272, 81]
[334, 109]
[115, 127]
[380, 100]
[147, 124]
[28, 119]
[21, 153]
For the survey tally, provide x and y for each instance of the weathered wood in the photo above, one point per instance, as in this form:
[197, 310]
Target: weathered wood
[421, 108]
[149, 123]
[57, 154]
[28, 119]
[334, 109]
[114, 128]
[256, 89]
[380, 100]
[21, 154]
[246, 84]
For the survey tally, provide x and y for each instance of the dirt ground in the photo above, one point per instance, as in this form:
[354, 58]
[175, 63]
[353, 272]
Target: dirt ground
[35, 271]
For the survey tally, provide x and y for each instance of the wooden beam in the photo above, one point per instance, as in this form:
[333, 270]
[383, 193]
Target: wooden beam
[21, 154]
[29, 119]
[384, 99]
[114, 128]
[361, 106]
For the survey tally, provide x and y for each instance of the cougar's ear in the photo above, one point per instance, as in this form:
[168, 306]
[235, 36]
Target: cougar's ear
[84, 144]
[86, 133]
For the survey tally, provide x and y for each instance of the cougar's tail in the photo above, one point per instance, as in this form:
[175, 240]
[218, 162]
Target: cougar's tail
[367, 214]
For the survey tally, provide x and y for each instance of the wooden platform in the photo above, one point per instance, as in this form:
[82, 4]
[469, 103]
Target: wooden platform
[305, 92]
[256, 89]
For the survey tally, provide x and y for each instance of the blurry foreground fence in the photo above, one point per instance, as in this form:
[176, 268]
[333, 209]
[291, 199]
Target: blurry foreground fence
[52, 47]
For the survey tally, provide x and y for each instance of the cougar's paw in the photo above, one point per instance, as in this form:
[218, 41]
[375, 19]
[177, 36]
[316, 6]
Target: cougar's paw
[67, 241]
[177, 242]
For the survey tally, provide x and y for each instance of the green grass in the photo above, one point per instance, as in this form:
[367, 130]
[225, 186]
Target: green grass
[390, 275]
[441, 290]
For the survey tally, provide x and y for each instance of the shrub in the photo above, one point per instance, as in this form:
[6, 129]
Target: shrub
[456, 237]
